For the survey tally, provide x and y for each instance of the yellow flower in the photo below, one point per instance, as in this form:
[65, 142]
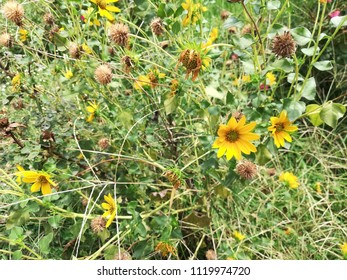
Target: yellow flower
[194, 12]
[87, 17]
[270, 79]
[16, 80]
[87, 49]
[234, 138]
[344, 248]
[68, 74]
[280, 128]
[318, 188]
[165, 249]
[23, 34]
[111, 209]
[142, 82]
[212, 37]
[289, 179]
[239, 236]
[105, 9]
[41, 180]
[92, 109]
[246, 78]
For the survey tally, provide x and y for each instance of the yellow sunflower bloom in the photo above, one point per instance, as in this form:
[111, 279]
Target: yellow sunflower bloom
[270, 79]
[68, 74]
[344, 248]
[105, 8]
[111, 209]
[87, 16]
[41, 180]
[280, 129]
[234, 138]
[23, 35]
[289, 179]
[194, 12]
[92, 109]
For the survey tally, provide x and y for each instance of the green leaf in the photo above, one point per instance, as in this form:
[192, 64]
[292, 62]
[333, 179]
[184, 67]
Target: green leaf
[301, 35]
[54, 221]
[176, 27]
[323, 65]
[161, 10]
[178, 12]
[222, 191]
[331, 113]
[126, 118]
[313, 111]
[212, 92]
[263, 155]
[309, 90]
[283, 64]
[170, 104]
[273, 5]
[44, 243]
[17, 255]
[310, 51]
[294, 108]
[336, 21]
[16, 233]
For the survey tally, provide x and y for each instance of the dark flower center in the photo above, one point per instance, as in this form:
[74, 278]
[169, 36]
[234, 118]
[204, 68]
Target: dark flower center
[41, 179]
[279, 127]
[102, 4]
[232, 136]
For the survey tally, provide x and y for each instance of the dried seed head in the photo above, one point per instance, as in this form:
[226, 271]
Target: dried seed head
[232, 30]
[283, 45]
[246, 29]
[191, 60]
[84, 202]
[103, 143]
[18, 105]
[119, 34]
[98, 224]
[111, 51]
[6, 40]
[48, 18]
[237, 115]
[14, 12]
[127, 63]
[157, 26]
[4, 123]
[122, 255]
[164, 44]
[224, 14]
[75, 50]
[246, 169]
[271, 171]
[211, 255]
[103, 74]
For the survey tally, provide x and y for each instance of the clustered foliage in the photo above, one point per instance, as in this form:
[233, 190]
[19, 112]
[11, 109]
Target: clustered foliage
[173, 129]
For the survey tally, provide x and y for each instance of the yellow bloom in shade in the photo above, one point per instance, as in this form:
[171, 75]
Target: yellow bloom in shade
[270, 79]
[194, 12]
[165, 248]
[289, 179]
[87, 49]
[68, 74]
[344, 248]
[142, 81]
[41, 180]
[110, 207]
[280, 129]
[212, 37]
[92, 109]
[239, 236]
[318, 188]
[23, 35]
[87, 17]
[16, 80]
[234, 138]
[246, 78]
[105, 8]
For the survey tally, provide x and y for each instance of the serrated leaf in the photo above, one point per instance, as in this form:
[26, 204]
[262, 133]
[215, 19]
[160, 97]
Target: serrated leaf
[213, 92]
[323, 65]
[301, 35]
[313, 111]
[331, 113]
[309, 90]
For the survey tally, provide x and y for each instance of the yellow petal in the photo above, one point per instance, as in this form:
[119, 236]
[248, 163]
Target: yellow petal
[20, 168]
[232, 124]
[221, 151]
[35, 187]
[248, 127]
[106, 206]
[46, 188]
[112, 9]
[110, 220]
[105, 13]
[109, 199]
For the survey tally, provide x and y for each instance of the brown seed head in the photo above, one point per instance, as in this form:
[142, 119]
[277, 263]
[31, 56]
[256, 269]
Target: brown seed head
[119, 34]
[103, 143]
[232, 29]
[224, 14]
[48, 18]
[246, 169]
[84, 201]
[98, 224]
[127, 63]
[14, 12]
[4, 123]
[157, 26]
[191, 60]
[271, 171]
[247, 29]
[164, 44]
[237, 115]
[122, 255]
[211, 255]
[283, 45]
[18, 105]
[6, 40]
[75, 50]
[103, 74]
